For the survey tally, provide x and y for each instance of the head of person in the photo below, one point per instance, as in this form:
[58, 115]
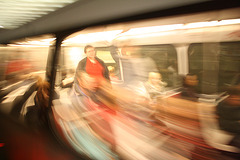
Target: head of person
[154, 78]
[90, 52]
[42, 95]
[131, 52]
[111, 69]
[87, 82]
[190, 80]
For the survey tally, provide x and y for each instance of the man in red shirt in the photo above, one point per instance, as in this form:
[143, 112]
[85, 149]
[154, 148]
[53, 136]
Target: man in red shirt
[93, 65]
[95, 68]
[91, 82]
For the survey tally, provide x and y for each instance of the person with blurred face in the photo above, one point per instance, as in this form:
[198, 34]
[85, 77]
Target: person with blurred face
[135, 64]
[86, 83]
[191, 80]
[96, 71]
[228, 112]
[93, 65]
[189, 90]
[79, 105]
[155, 79]
[155, 86]
[87, 90]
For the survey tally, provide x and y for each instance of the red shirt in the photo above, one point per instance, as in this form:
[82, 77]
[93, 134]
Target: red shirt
[94, 69]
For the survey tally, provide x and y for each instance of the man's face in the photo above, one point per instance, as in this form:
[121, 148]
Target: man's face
[155, 78]
[191, 80]
[90, 52]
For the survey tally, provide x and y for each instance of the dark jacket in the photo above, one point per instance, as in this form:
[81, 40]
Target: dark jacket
[83, 62]
[229, 117]
[189, 93]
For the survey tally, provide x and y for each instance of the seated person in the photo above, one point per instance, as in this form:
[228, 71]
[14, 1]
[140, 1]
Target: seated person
[155, 86]
[36, 116]
[112, 75]
[229, 114]
[135, 64]
[189, 90]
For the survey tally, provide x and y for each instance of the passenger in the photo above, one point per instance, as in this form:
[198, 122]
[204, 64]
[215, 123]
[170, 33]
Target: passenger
[135, 65]
[141, 64]
[229, 114]
[155, 86]
[127, 68]
[85, 84]
[86, 93]
[93, 65]
[36, 116]
[112, 74]
[189, 90]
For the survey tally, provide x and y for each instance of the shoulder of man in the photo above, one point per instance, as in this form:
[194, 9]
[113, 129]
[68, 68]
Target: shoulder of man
[99, 60]
[84, 60]
[81, 63]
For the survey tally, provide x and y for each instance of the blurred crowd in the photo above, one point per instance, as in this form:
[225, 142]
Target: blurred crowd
[142, 119]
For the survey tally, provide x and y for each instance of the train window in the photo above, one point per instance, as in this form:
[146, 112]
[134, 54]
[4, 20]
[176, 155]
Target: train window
[23, 70]
[229, 67]
[165, 57]
[23, 58]
[216, 64]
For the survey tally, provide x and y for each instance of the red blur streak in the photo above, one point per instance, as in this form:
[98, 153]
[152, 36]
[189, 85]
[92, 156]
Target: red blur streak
[2, 144]
[18, 65]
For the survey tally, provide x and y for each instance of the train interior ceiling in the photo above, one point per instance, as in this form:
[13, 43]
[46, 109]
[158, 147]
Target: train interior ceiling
[174, 119]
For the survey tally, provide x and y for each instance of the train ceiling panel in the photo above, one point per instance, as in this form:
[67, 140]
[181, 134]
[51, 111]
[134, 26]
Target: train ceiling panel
[15, 13]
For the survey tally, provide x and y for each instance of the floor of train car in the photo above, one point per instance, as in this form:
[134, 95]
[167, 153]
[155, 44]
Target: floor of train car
[18, 143]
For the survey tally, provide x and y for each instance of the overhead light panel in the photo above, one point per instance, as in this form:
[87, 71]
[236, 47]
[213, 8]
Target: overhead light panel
[15, 13]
